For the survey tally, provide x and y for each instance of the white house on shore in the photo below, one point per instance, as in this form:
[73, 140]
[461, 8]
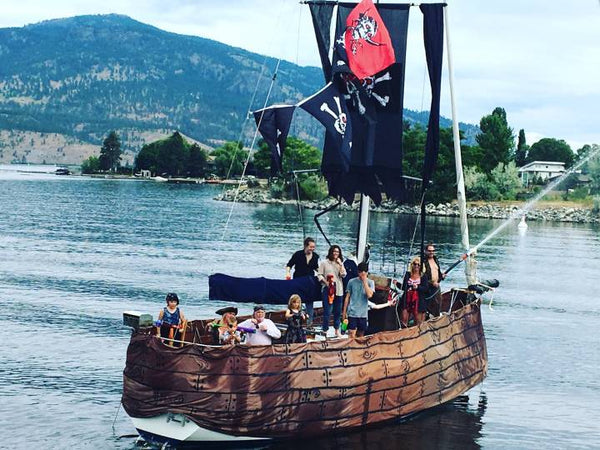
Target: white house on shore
[543, 170]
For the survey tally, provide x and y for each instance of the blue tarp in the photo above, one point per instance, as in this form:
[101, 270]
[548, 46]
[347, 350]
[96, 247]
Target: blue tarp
[261, 290]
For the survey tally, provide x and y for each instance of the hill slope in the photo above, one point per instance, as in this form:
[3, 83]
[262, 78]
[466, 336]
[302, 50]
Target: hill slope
[83, 76]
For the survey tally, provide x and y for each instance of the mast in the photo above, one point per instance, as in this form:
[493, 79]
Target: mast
[470, 266]
[363, 229]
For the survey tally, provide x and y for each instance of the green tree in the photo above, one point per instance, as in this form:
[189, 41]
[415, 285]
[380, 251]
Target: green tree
[197, 161]
[522, 149]
[147, 158]
[299, 155]
[496, 140]
[584, 151]
[413, 145]
[550, 149]
[230, 159]
[312, 187]
[90, 165]
[172, 155]
[262, 159]
[110, 153]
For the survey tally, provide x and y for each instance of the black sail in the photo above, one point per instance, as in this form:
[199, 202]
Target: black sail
[375, 106]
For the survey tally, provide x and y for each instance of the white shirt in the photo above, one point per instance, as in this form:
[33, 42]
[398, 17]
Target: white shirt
[261, 337]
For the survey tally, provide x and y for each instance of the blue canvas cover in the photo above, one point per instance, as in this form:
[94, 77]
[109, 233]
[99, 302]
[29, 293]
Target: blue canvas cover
[261, 290]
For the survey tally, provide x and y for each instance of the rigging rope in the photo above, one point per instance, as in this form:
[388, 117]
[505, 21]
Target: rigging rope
[248, 115]
[273, 78]
[237, 191]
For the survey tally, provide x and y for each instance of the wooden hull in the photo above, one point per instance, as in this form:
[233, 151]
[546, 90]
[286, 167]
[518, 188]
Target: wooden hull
[308, 389]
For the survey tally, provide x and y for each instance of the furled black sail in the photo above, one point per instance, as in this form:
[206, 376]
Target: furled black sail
[274, 125]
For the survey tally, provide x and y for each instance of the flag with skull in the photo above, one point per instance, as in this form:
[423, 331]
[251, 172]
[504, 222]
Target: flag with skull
[329, 107]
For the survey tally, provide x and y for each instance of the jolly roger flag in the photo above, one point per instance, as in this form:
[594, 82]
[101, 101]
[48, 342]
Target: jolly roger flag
[274, 125]
[329, 107]
[367, 41]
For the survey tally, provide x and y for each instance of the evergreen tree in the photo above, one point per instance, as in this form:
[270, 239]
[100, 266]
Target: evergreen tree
[496, 140]
[172, 155]
[147, 158]
[197, 161]
[110, 153]
[522, 149]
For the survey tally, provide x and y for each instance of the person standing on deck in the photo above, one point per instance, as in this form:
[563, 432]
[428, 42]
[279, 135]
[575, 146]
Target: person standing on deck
[357, 304]
[431, 268]
[305, 262]
[331, 272]
[171, 320]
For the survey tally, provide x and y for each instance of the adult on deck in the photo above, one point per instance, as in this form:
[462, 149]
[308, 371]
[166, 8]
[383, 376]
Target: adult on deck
[305, 262]
[431, 268]
[266, 330]
[357, 304]
[218, 326]
[331, 272]
[416, 289]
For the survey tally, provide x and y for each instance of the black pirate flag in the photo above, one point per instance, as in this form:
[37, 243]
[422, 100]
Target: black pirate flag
[274, 125]
[329, 107]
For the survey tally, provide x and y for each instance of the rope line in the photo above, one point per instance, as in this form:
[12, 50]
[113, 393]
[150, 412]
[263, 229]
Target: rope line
[239, 185]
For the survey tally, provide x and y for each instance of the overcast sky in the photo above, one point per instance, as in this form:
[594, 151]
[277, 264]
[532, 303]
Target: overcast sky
[538, 59]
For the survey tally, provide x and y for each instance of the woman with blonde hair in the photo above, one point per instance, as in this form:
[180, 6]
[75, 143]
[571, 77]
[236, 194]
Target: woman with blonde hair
[415, 286]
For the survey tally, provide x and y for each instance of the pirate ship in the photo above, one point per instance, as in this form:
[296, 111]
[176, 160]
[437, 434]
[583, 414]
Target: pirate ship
[195, 391]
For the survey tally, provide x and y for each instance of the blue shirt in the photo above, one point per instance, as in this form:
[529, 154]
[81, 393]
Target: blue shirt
[170, 318]
[358, 305]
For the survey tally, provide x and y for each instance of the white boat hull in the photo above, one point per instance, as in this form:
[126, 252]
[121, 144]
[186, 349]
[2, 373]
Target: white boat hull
[176, 428]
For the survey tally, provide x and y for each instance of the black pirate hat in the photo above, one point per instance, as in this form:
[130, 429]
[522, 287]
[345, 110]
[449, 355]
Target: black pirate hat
[227, 309]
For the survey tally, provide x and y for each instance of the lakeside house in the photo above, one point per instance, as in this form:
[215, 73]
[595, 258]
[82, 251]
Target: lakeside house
[541, 170]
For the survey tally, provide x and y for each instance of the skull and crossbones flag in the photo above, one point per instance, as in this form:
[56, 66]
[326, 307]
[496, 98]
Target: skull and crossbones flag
[274, 125]
[367, 41]
[329, 107]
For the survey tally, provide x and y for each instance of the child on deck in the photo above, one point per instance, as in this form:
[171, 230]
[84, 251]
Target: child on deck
[228, 333]
[171, 319]
[294, 316]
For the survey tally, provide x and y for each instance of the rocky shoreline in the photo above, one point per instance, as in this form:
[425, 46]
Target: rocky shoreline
[486, 211]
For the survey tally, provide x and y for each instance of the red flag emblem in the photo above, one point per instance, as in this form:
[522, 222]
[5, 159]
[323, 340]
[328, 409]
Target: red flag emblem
[368, 44]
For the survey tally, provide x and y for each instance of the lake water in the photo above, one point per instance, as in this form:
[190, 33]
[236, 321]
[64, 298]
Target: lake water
[76, 252]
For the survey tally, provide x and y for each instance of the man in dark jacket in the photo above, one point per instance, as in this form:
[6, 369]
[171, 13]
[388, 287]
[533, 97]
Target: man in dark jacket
[305, 262]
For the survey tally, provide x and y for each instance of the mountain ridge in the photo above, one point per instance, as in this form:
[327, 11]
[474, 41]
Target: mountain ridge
[83, 76]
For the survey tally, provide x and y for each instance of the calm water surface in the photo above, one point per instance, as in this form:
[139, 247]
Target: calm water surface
[76, 252]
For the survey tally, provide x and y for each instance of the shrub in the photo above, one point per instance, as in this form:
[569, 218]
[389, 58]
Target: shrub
[313, 188]
[506, 180]
[478, 186]
[277, 190]
[90, 165]
[253, 182]
[596, 207]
